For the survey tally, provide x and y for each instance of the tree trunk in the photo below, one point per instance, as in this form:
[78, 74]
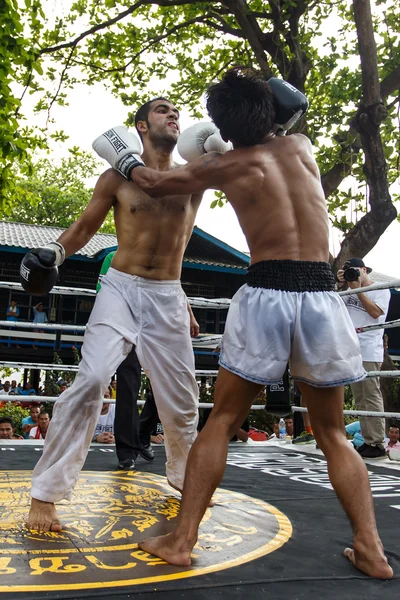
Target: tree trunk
[363, 237]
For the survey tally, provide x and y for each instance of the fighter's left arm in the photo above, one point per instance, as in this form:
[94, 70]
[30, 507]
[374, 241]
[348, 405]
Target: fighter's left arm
[207, 172]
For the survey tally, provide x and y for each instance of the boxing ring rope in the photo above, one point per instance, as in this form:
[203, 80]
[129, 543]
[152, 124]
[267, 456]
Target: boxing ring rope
[370, 288]
[53, 399]
[356, 413]
[71, 291]
[75, 368]
[196, 302]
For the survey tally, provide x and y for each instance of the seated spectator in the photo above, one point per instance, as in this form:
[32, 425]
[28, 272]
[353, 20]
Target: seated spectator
[289, 426]
[39, 432]
[104, 432]
[393, 442]
[28, 423]
[114, 389]
[62, 386]
[28, 390]
[13, 386]
[354, 429]
[157, 437]
[275, 435]
[12, 312]
[6, 388]
[7, 429]
[39, 316]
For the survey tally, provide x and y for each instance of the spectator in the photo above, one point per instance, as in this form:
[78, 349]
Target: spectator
[394, 435]
[104, 432]
[39, 316]
[19, 389]
[28, 390]
[276, 433]
[28, 423]
[13, 386]
[289, 426]
[39, 432]
[114, 389]
[354, 429]
[12, 313]
[1, 384]
[62, 386]
[7, 429]
[6, 388]
[368, 308]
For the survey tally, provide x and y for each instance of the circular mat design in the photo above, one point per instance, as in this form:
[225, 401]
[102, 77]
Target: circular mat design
[109, 513]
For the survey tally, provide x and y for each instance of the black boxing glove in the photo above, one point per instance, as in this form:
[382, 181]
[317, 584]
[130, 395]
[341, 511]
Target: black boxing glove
[290, 105]
[38, 271]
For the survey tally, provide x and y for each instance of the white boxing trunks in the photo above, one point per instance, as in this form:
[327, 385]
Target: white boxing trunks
[288, 311]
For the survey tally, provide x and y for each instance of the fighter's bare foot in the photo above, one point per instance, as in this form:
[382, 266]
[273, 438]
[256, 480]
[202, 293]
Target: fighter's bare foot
[167, 548]
[43, 517]
[372, 564]
[210, 504]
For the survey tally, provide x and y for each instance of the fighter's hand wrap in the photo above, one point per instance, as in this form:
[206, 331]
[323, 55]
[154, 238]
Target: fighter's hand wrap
[200, 139]
[38, 271]
[290, 104]
[120, 148]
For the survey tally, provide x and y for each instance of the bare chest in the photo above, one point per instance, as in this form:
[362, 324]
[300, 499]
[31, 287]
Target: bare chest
[140, 203]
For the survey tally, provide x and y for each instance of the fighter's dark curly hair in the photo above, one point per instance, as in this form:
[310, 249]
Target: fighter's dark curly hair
[242, 106]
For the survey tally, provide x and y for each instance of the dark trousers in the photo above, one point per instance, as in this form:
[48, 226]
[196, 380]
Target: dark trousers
[131, 432]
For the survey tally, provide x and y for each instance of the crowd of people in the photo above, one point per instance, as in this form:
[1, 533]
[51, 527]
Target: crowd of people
[13, 312]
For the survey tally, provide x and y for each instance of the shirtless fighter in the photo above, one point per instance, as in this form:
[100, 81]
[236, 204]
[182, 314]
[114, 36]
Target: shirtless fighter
[141, 303]
[287, 310]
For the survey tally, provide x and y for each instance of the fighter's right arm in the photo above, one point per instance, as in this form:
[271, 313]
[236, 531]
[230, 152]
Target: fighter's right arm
[39, 268]
[92, 218]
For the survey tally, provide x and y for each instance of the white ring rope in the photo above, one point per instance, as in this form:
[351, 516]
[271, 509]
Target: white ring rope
[355, 413]
[370, 288]
[75, 368]
[203, 339]
[52, 399]
[71, 291]
[218, 303]
[199, 372]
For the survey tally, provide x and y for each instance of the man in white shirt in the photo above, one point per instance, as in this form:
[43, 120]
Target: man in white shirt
[368, 308]
[104, 432]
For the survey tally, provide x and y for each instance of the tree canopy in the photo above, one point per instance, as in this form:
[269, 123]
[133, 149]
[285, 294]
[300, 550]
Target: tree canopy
[55, 193]
[177, 47]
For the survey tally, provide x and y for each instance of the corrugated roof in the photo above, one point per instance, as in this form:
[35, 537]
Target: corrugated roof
[201, 261]
[24, 235]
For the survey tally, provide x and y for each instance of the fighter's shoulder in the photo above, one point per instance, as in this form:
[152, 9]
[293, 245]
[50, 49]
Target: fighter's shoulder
[300, 140]
[110, 180]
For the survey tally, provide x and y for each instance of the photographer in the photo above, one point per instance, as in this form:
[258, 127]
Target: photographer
[368, 308]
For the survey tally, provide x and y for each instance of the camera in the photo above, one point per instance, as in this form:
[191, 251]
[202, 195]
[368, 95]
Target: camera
[351, 274]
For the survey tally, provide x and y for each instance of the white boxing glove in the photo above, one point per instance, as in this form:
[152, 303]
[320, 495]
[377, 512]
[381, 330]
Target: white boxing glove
[120, 148]
[200, 139]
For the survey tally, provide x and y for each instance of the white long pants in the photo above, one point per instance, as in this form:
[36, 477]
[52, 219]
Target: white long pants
[128, 311]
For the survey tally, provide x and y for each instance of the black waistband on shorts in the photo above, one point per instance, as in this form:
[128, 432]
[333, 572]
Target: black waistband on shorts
[291, 276]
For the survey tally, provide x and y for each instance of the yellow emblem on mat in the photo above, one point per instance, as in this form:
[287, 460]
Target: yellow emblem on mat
[107, 516]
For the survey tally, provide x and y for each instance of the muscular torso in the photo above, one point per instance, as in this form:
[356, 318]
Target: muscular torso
[279, 201]
[152, 232]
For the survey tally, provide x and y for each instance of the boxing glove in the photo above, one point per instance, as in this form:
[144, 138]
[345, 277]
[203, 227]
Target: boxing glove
[38, 271]
[200, 139]
[290, 105]
[120, 148]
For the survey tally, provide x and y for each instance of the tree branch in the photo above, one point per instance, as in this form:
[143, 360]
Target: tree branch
[117, 18]
[334, 177]
[252, 32]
